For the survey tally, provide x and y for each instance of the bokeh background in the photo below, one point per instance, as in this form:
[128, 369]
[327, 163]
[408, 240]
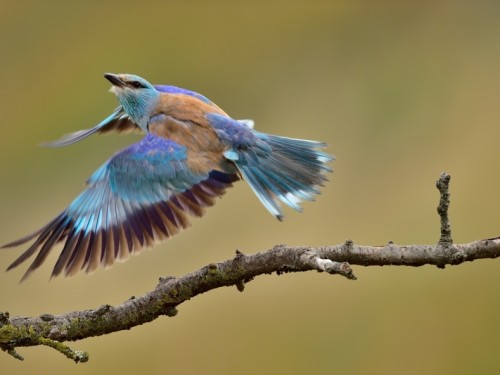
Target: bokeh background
[400, 92]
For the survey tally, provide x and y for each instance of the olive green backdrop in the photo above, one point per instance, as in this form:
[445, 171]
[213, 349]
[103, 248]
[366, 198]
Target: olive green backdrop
[400, 92]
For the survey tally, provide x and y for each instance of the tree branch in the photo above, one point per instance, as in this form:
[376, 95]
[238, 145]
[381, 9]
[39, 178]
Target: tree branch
[172, 291]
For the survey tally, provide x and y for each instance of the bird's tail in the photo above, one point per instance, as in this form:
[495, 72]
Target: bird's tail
[284, 170]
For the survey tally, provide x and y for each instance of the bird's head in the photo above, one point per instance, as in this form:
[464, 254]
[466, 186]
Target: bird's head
[136, 95]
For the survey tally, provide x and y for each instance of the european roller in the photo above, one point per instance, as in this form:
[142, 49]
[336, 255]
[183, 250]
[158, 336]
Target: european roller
[191, 153]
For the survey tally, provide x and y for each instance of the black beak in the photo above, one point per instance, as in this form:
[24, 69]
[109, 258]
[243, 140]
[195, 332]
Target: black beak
[114, 79]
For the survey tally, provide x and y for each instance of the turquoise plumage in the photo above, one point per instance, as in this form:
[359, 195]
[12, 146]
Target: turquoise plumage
[191, 153]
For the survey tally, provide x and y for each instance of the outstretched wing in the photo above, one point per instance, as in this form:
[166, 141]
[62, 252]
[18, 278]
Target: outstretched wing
[118, 121]
[142, 194]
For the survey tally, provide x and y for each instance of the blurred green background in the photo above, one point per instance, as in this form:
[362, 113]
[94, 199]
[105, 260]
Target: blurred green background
[400, 92]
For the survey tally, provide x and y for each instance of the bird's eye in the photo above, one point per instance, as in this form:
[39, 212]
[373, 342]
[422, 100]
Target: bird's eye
[136, 84]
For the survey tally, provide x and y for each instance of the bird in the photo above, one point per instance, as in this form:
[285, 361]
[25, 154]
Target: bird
[191, 153]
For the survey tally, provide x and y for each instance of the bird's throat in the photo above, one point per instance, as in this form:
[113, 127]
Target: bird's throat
[138, 107]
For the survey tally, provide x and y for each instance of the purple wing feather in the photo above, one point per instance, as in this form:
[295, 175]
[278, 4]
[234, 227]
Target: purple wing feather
[135, 199]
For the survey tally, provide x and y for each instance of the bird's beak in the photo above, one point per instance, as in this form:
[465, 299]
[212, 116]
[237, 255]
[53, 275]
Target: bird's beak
[114, 79]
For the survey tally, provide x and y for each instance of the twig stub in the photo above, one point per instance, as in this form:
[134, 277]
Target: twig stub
[442, 184]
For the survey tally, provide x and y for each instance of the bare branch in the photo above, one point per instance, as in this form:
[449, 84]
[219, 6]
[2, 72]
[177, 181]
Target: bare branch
[172, 291]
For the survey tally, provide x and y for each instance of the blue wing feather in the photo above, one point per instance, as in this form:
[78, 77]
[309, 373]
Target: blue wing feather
[142, 194]
[117, 121]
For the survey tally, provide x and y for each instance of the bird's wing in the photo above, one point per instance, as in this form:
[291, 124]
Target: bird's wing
[142, 194]
[118, 121]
